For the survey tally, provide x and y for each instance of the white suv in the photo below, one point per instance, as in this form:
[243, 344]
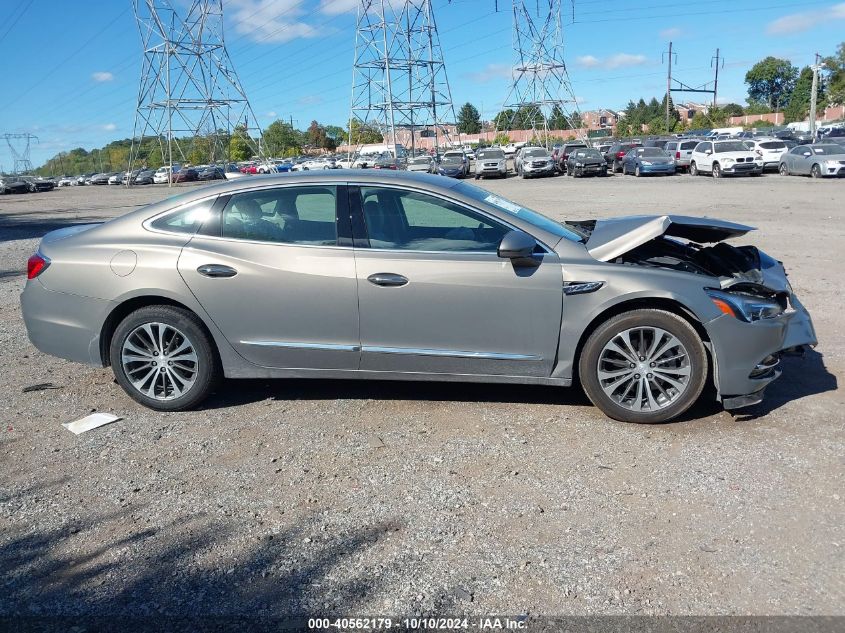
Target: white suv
[724, 157]
[769, 149]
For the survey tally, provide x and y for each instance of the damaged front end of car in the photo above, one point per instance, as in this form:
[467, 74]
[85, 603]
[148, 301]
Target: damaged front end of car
[758, 318]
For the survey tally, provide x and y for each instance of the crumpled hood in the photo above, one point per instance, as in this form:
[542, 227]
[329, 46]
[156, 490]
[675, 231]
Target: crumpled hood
[616, 236]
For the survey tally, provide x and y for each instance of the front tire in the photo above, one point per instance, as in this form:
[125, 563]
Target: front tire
[637, 171]
[816, 171]
[164, 359]
[717, 170]
[693, 169]
[643, 366]
[783, 169]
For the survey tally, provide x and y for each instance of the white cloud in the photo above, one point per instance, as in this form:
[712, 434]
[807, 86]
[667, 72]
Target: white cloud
[806, 20]
[102, 76]
[670, 33]
[271, 114]
[336, 7]
[490, 72]
[619, 60]
[108, 127]
[269, 21]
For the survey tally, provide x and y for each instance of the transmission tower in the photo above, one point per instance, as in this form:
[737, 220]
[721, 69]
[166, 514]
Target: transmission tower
[19, 147]
[190, 100]
[541, 91]
[399, 82]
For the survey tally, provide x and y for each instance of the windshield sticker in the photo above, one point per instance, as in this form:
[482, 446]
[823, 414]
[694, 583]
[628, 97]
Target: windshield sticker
[507, 205]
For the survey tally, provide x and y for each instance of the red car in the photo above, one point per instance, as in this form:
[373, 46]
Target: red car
[186, 175]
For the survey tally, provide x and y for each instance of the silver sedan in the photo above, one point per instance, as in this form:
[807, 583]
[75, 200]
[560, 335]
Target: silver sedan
[818, 160]
[385, 275]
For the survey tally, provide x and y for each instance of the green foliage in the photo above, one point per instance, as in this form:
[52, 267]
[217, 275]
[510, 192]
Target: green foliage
[501, 139]
[504, 120]
[469, 120]
[239, 148]
[318, 137]
[799, 101]
[732, 109]
[361, 134]
[755, 107]
[771, 81]
[834, 69]
[279, 137]
[762, 124]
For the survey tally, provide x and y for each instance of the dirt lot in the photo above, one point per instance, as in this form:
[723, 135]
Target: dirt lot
[283, 497]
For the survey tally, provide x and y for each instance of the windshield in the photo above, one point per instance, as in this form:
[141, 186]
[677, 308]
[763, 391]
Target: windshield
[535, 152]
[491, 154]
[827, 150]
[452, 158]
[651, 151]
[589, 153]
[422, 160]
[730, 146]
[532, 217]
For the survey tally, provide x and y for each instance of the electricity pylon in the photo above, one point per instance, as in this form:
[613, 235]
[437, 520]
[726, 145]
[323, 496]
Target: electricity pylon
[399, 82]
[541, 91]
[19, 147]
[190, 99]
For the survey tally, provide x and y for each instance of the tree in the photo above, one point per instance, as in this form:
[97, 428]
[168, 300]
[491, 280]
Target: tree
[362, 133]
[771, 81]
[575, 121]
[504, 120]
[501, 139]
[469, 120]
[280, 136]
[239, 148]
[799, 101]
[732, 109]
[834, 68]
[557, 120]
[755, 107]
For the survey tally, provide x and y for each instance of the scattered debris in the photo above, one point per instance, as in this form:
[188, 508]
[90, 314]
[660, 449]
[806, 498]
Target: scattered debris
[462, 594]
[41, 386]
[376, 442]
[89, 422]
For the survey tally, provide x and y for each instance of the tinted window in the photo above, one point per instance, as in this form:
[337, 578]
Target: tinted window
[730, 146]
[773, 145]
[188, 219]
[650, 151]
[491, 154]
[288, 215]
[409, 220]
[688, 145]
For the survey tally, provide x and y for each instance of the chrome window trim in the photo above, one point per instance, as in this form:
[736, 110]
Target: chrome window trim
[459, 203]
[447, 353]
[313, 346]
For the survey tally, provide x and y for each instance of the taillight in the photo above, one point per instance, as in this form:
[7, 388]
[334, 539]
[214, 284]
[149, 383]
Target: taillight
[677, 154]
[36, 265]
[620, 154]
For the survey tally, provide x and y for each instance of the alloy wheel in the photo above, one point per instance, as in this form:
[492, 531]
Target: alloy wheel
[644, 369]
[784, 171]
[717, 170]
[816, 172]
[159, 361]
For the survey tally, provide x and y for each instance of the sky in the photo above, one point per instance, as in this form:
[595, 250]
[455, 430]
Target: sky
[71, 75]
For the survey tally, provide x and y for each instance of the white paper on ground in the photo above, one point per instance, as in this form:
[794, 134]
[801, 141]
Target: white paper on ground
[90, 422]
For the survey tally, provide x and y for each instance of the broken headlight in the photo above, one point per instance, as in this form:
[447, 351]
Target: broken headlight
[744, 307]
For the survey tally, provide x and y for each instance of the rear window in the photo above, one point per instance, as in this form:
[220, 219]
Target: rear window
[773, 145]
[689, 145]
[187, 219]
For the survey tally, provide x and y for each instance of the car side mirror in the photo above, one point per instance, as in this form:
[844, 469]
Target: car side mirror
[519, 248]
[708, 151]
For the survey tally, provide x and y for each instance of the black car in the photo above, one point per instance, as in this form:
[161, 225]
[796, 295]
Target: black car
[565, 151]
[38, 184]
[143, 177]
[586, 162]
[613, 157]
[12, 184]
[103, 179]
[212, 173]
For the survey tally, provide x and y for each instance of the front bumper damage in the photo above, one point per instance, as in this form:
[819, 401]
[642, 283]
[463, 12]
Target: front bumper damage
[746, 355]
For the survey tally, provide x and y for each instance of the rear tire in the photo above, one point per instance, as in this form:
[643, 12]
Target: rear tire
[642, 382]
[178, 339]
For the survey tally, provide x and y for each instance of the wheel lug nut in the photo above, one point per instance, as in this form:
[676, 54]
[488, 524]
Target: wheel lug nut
[162, 370]
[632, 365]
[652, 364]
[648, 376]
[637, 376]
[642, 357]
[170, 362]
[154, 363]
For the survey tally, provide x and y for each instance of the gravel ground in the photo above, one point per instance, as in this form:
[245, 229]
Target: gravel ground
[329, 497]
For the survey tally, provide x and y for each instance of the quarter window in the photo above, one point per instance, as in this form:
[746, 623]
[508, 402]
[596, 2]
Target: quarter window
[188, 219]
[408, 220]
[288, 215]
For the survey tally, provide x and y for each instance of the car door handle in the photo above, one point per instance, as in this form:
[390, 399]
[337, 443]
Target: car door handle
[216, 270]
[387, 279]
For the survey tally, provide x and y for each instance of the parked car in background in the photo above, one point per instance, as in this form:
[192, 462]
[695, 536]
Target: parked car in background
[534, 161]
[345, 161]
[13, 184]
[769, 149]
[65, 181]
[491, 161]
[613, 157]
[659, 143]
[681, 150]
[212, 172]
[446, 282]
[103, 179]
[388, 161]
[453, 164]
[117, 178]
[37, 183]
[511, 148]
[719, 158]
[186, 175]
[641, 161]
[162, 174]
[143, 177]
[818, 160]
[420, 163]
[565, 151]
[586, 161]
